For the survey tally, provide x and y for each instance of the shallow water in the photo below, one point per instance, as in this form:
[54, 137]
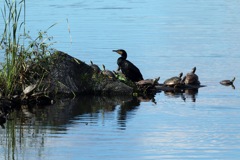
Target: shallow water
[163, 38]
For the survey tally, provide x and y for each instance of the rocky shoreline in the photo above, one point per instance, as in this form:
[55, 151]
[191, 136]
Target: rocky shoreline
[65, 76]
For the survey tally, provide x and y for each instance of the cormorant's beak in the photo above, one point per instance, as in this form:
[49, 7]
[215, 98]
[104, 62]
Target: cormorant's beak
[116, 51]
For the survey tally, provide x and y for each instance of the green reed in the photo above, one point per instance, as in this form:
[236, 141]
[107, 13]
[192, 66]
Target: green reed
[17, 52]
[11, 13]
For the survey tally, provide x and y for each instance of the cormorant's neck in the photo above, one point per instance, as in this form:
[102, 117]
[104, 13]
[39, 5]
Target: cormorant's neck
[120, 60]
[124, 56]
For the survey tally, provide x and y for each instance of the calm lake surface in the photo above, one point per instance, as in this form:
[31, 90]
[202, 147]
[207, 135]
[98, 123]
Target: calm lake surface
[163, 38]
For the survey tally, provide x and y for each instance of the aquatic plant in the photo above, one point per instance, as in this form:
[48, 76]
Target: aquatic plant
[19, 55]
[10, 42]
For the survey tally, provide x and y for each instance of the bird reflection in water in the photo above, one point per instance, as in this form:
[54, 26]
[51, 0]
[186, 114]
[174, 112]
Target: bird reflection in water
[126, 110]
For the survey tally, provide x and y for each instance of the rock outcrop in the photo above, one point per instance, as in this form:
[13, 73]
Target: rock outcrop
[68, 75]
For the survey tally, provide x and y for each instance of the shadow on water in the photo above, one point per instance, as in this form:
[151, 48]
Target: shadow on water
[65, 111]
[29, 126]
[230, 85]
[32, 126]
[125, 108]
[183, 94]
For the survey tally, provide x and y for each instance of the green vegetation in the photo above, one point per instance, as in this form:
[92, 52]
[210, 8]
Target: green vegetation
[20, 50]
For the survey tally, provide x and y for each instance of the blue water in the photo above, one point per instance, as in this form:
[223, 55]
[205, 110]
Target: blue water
[163, 38]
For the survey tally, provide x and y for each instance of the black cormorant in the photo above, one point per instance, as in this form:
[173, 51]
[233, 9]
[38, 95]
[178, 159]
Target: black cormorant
[128, 68]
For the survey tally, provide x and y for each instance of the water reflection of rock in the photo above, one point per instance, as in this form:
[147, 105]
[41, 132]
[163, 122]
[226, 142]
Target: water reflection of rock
[65, 111]
[183, 94]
